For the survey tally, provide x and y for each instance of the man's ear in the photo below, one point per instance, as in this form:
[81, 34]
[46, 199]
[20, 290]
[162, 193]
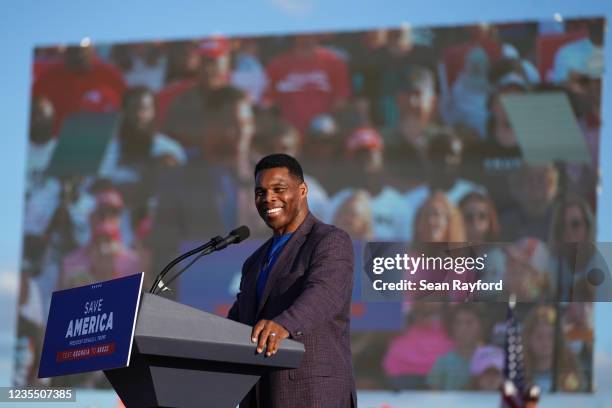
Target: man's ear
[303, 189]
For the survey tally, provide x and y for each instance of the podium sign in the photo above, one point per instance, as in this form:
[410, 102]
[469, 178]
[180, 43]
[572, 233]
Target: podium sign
[91, 327]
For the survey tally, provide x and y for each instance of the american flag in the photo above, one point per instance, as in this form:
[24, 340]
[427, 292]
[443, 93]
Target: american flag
[514, 387]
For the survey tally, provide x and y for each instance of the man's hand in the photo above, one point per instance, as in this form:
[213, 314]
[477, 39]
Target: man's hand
[269, 334]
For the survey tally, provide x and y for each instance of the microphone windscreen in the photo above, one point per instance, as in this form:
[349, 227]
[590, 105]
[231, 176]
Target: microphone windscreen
[241, 233]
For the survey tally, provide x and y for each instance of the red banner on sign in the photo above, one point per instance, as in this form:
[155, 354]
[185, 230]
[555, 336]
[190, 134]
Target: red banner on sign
[85, 352]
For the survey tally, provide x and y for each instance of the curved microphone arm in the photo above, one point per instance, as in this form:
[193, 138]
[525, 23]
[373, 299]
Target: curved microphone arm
[162, 274]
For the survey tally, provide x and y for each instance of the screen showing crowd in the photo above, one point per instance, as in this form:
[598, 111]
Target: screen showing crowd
[138, 151]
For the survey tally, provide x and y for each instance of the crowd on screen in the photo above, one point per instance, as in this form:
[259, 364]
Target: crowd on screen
[402, 135]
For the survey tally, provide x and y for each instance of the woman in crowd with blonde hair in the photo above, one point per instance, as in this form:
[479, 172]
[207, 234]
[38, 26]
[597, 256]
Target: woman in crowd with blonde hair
[482, 232]
[355, 216]
[438, 221]
[480, 217]
[439, 231]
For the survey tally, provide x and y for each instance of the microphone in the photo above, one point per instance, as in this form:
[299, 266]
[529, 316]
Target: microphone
[234, 237]
[215, 244]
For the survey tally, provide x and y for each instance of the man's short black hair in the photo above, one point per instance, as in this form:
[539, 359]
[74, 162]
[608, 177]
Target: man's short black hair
[273, 161]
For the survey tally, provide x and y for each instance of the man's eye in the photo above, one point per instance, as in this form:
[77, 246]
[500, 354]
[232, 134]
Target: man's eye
[279, 190]
[259, 194]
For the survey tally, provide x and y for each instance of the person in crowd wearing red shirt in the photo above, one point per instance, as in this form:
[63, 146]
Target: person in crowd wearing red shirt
[306, 81]
[80, 81]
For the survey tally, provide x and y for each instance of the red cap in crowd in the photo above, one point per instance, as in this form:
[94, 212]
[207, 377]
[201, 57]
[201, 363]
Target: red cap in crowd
[365, 138]
[214, 47]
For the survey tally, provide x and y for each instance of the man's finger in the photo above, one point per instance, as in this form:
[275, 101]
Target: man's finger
[272, 343]
[257, 329]
[263, 338]
[277, 344]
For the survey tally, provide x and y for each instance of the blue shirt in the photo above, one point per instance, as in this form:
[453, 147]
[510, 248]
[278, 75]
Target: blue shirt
[278, 243]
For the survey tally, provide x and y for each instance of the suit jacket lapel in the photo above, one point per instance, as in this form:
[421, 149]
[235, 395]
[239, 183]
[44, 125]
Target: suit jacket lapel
[285, 258]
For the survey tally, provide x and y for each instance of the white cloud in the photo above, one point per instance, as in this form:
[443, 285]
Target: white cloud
[295, 7]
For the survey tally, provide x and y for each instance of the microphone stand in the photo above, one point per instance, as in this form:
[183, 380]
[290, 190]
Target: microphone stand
[159, 284]
[205, 252]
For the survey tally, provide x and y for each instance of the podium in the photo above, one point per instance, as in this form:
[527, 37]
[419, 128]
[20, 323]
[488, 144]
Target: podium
[184, 357]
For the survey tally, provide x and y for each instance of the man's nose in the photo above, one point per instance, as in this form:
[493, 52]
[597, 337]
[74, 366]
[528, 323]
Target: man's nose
[270, 196]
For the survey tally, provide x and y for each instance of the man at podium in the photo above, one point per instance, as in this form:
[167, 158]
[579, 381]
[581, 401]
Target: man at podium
[298, 285]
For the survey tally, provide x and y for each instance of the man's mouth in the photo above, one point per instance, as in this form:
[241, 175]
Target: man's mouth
[273, 212]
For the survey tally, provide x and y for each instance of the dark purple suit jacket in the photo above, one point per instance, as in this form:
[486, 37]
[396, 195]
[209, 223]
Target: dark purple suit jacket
[308, 292]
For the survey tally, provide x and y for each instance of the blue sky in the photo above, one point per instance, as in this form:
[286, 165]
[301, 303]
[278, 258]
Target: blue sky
[24, 24]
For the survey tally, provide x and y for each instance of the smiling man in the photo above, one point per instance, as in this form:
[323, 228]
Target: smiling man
[298, 285]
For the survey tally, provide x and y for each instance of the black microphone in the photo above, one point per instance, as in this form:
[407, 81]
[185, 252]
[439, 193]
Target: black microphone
[234, 237]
